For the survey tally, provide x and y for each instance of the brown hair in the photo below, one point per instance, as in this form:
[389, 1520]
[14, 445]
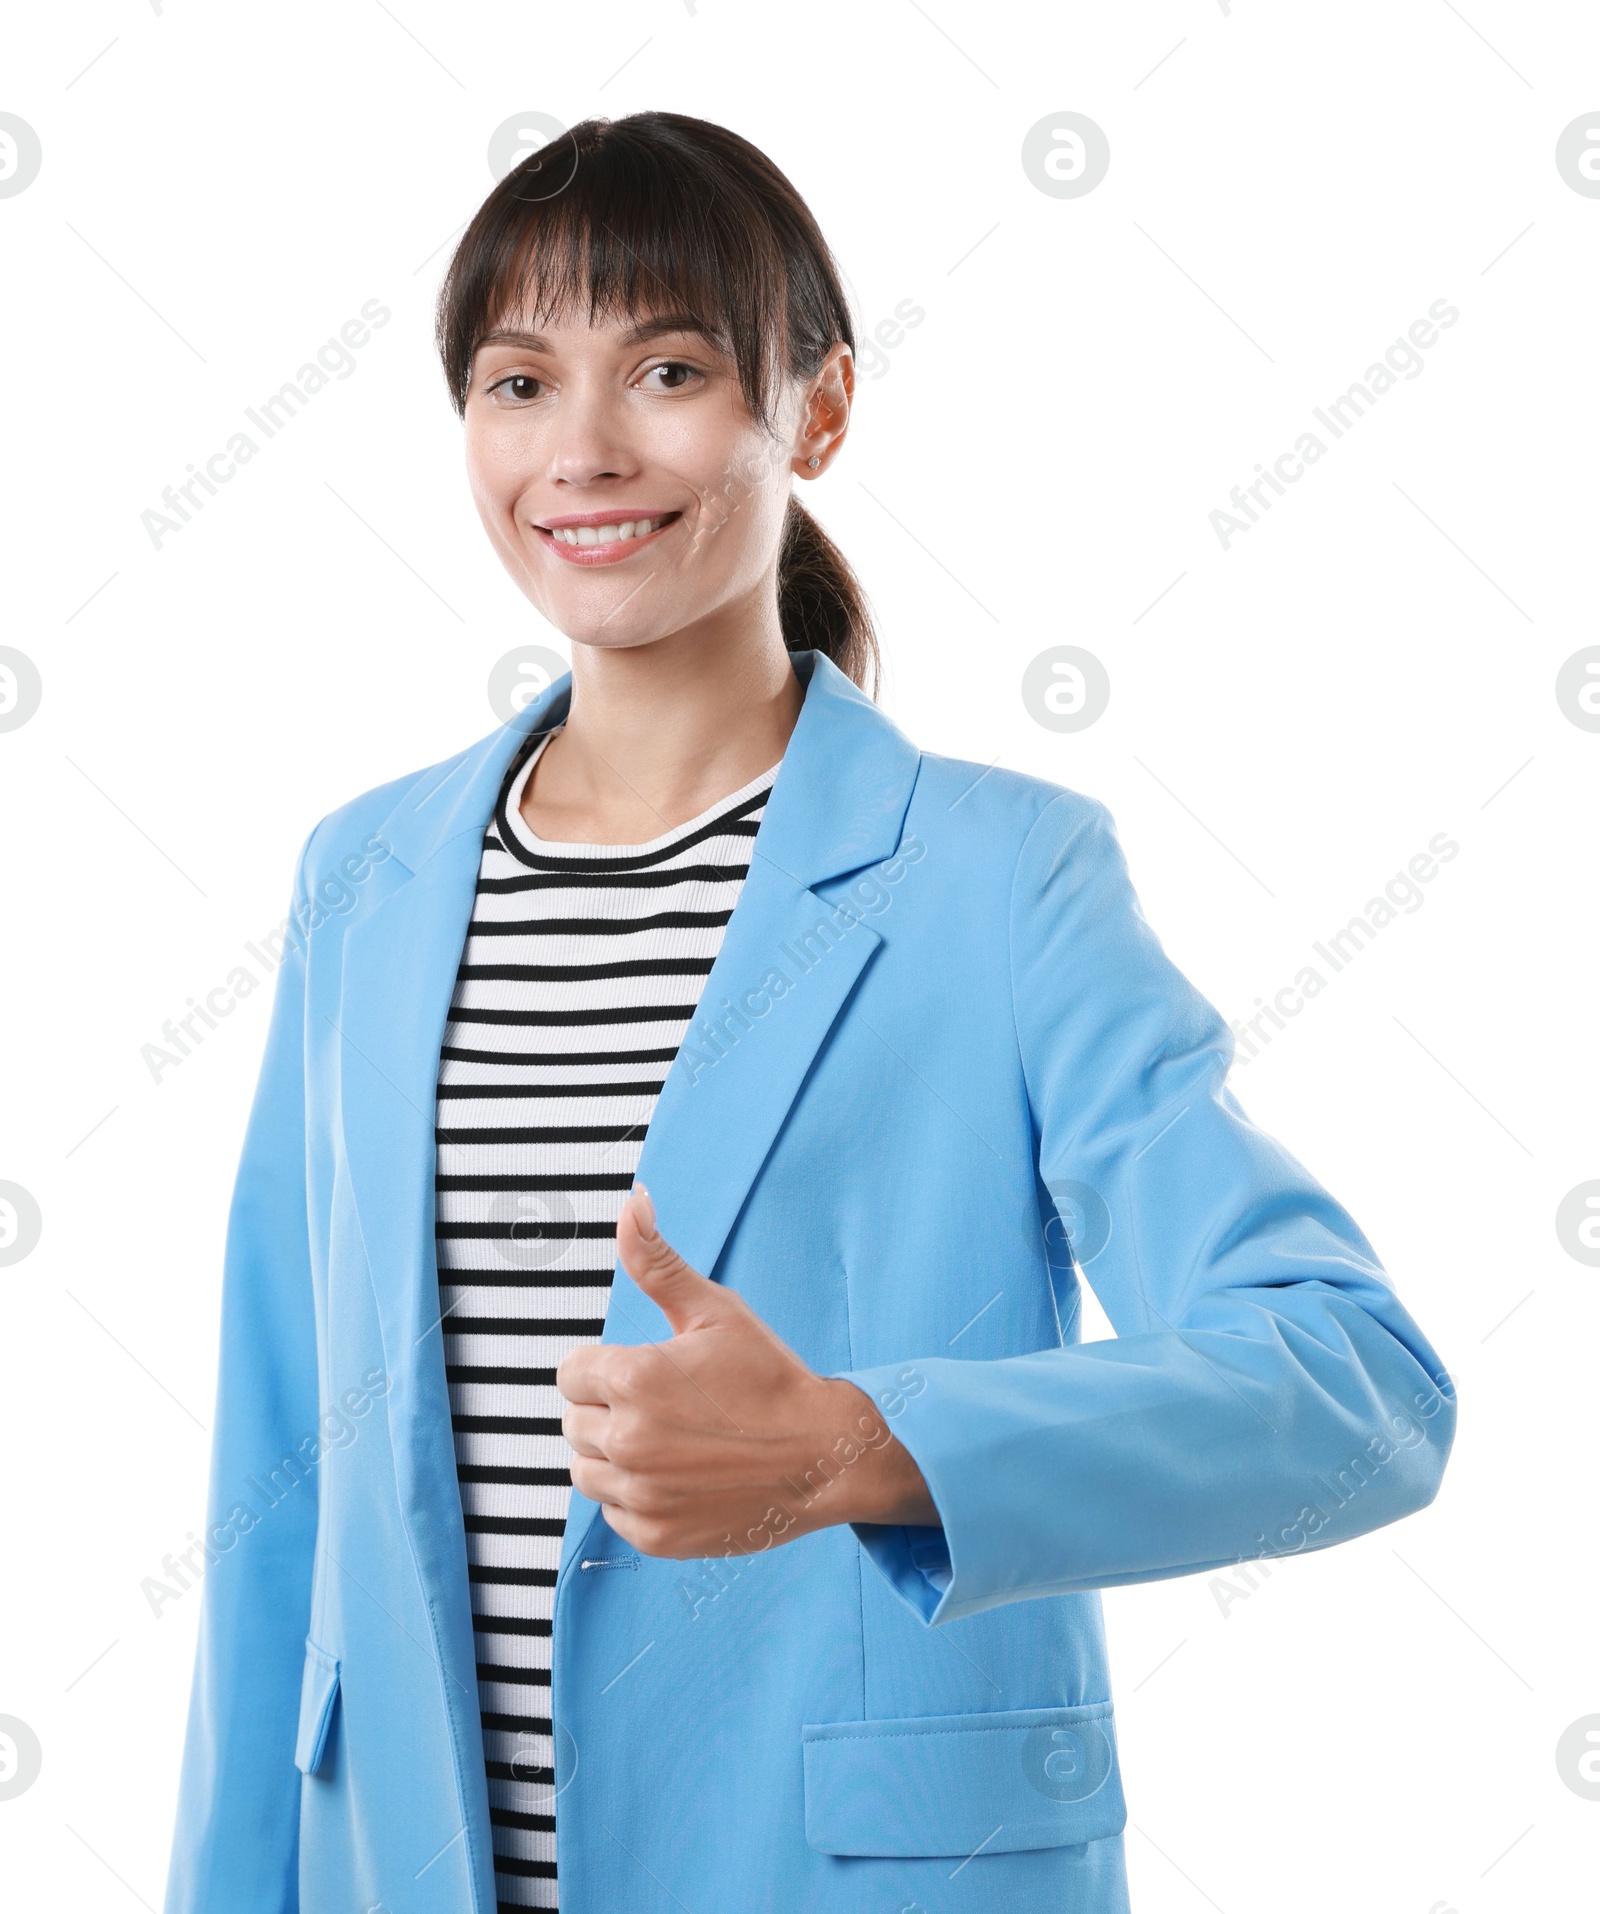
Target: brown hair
[656, 216]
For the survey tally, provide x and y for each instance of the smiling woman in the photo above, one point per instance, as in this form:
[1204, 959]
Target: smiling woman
[657, 284]
[732, 1240]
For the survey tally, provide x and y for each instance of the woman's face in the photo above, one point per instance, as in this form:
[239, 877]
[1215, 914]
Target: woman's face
[622, 479]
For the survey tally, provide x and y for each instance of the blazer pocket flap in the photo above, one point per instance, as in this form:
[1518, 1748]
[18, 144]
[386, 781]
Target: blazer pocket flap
[319, 1691]
[958, 1784]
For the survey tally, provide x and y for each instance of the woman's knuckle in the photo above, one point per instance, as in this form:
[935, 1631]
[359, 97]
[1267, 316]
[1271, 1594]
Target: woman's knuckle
[627, 1442]
[623, 1379]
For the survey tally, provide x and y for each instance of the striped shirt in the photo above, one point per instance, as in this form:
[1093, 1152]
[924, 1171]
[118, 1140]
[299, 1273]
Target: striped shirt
[583, 966]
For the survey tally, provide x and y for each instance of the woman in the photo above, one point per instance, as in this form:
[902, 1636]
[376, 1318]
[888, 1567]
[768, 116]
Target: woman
[650, 1327]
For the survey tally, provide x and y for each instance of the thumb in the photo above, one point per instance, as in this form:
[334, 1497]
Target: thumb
[685, 1297]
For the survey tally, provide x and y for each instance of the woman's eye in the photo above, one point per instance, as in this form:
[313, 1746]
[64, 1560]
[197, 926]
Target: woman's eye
[518, 389]
[672, 375]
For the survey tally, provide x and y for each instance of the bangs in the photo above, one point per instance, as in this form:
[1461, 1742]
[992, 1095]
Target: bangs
[647, 220]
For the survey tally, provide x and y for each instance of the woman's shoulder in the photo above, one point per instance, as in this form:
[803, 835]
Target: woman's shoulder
[1002, 806]
[1043, 852]
[402, 814]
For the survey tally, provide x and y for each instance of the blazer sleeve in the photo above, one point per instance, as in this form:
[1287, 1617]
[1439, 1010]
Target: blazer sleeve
[236, 1844]
[1266, 1391]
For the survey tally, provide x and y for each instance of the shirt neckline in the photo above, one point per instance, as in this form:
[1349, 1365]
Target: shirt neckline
[511, 820]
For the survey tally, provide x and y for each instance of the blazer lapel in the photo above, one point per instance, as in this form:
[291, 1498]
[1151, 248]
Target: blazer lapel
[400, 965]
[399, 974]
[788, 963]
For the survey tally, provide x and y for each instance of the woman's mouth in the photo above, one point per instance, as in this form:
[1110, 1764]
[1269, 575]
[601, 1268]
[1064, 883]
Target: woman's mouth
[603, 538]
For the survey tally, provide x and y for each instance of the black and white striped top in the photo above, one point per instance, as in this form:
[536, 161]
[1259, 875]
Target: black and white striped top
[583, 966]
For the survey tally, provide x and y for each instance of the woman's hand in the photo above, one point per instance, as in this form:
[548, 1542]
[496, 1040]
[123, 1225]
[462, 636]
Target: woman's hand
[721, 1440]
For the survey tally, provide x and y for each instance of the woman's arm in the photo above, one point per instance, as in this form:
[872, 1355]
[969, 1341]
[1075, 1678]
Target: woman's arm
[1266, 1391]
[236, 1842]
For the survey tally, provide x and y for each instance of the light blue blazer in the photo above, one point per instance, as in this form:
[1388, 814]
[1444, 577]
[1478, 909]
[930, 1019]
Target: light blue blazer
[943, 1071]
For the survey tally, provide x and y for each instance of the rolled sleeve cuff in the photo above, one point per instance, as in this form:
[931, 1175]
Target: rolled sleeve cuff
[915, 1561]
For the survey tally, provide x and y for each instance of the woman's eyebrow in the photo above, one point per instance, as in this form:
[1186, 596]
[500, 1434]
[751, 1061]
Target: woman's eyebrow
[636, 335]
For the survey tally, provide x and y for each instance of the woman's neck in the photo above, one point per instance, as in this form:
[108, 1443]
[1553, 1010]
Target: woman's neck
[657, 733]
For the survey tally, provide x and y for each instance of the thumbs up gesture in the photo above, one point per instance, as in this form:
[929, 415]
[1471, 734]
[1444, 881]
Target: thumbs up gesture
[721, 1434]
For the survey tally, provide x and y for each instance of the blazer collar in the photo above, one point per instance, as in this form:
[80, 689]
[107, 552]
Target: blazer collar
[838, 803]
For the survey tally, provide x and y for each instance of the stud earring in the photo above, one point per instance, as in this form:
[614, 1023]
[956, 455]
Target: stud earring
[813, 461]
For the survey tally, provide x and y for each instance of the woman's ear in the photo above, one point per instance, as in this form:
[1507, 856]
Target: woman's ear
[825, 416]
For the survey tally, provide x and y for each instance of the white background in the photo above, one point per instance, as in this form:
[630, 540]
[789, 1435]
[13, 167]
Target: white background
[1374, 662]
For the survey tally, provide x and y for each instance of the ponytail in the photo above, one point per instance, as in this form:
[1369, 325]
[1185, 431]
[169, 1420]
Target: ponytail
[821, 606]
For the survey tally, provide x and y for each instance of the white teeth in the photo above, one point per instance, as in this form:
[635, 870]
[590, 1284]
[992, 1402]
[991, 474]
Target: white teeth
[606, 534]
